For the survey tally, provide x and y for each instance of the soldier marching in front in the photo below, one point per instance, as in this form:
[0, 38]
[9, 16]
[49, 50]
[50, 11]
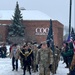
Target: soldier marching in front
[45, 59]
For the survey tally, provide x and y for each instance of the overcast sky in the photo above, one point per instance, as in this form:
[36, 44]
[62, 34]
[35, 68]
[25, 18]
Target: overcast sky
[56, 9]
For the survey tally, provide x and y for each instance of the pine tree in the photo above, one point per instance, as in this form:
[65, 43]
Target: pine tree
[16, 28]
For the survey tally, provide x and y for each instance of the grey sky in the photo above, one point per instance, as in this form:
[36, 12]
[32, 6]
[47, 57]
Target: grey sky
[56, 9]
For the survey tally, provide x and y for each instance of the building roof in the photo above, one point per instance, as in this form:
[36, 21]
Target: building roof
[27, 15]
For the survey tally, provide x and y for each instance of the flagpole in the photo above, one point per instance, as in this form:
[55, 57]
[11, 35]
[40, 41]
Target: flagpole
[70, 17]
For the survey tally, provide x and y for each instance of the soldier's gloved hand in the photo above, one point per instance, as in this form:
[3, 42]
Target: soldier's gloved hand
[50, 67]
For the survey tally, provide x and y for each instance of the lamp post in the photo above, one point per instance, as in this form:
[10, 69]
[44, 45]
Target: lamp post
[70, 17]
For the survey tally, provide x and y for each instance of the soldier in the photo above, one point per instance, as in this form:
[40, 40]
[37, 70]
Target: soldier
[35, 62]
[56, 59]
[45, 59]
[21, 59]
[72, 67]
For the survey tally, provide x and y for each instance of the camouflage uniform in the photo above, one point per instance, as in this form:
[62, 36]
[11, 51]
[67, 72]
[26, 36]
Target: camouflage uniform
[21, 59]
[56, 60]
[35, 62]
[44, 61]
[72, 67]
[21, 62]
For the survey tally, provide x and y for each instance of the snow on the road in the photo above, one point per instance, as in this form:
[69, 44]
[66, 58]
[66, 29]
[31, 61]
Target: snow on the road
[61, 69]
[6, 68]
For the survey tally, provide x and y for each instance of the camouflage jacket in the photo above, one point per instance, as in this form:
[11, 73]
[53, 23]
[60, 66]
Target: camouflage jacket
[45, 56]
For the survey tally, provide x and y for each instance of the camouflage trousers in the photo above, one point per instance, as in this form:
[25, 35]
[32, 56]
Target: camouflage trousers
[21, 62]
[44, 69]
[34, 66]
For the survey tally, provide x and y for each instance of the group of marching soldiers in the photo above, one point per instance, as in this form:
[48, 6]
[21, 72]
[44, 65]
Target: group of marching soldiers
[35, 58]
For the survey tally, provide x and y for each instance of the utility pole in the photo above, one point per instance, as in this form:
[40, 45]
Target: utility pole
[70, 17]
[74, 14]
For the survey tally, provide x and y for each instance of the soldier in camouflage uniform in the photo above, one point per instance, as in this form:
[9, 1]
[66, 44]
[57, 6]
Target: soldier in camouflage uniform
[56, 59]
[45, 59]
[35, 62]
[21, 59]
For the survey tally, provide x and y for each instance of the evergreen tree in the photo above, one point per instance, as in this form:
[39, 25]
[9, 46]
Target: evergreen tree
[16, 28]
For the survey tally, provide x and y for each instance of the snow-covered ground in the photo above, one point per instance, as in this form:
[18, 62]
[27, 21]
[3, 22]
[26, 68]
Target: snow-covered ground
[6, 68]
[61, 69]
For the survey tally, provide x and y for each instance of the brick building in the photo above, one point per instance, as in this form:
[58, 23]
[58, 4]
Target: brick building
[36, 26]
